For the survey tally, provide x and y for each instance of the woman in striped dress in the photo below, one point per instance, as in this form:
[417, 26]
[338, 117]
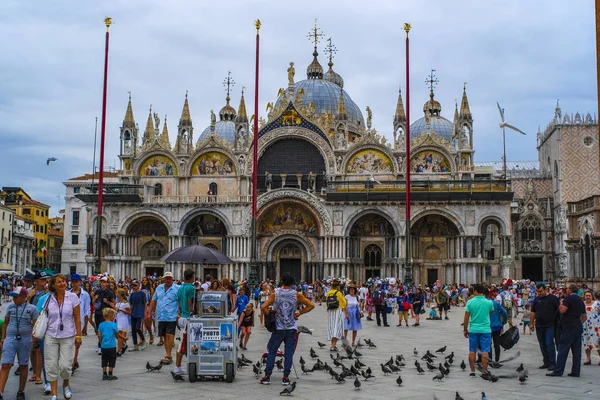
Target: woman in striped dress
[335, 320]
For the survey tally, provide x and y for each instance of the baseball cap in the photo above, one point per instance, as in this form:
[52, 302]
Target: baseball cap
[104, 279]
[168, 274]
[29, 277]
[42, 275]
[76, 277]
[19, 291]
[134, 282]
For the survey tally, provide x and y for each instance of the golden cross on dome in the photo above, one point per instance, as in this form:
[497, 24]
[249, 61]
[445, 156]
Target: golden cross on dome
[315, 34]
[330, 49]
[431, 80]
[228, 82]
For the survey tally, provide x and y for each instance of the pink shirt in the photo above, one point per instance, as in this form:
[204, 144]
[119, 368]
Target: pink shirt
[54, 316]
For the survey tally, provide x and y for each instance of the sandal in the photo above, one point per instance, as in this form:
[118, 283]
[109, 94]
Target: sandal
[160, 343]
[33, 379]
[167, 361]
[39, 382]
[587, 363]
[151, 341]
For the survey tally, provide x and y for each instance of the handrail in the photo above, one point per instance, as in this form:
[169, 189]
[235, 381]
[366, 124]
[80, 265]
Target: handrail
[471, 185]
[198, 199]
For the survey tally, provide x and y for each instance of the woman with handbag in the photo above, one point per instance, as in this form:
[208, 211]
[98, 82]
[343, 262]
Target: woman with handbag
[403, 308]
[353, 314]
[63, 334]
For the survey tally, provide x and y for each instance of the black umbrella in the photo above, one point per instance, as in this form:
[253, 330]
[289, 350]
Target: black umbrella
[197, 254]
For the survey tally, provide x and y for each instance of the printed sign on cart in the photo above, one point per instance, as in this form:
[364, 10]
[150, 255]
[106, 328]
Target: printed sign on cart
[211, 334]
[195, 331]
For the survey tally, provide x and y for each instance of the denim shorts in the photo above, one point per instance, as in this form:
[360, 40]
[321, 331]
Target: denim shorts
[13, 347]
[480, 341]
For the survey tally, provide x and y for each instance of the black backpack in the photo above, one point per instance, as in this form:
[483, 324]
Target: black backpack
[332, 301]
[509, 338]
[270, 319]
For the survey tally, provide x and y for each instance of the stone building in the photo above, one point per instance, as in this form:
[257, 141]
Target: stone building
[6, 238]
[23, 251]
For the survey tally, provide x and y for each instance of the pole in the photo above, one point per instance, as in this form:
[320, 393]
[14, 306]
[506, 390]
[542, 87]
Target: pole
[255, 149]
[504, 155]
[597, 9]
[94, 158]
[107, 22]
[408, 268]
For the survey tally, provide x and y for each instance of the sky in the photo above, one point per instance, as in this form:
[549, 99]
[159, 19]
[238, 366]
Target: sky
[523, 54]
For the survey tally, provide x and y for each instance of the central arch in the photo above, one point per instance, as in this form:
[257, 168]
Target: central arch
[288, 253]
[150, 242]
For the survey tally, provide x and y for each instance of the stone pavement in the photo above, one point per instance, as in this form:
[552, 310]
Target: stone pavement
[135, 383]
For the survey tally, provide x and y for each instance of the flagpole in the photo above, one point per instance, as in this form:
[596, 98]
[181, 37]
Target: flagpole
[408, 267]
[255, 148]
[107, 22]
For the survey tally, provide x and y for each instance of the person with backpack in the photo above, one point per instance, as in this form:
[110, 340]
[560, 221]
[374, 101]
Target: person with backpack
[380, 306]
[403, 307]
[441, 298]
[336, 312]
[497, 320]
[506, 299]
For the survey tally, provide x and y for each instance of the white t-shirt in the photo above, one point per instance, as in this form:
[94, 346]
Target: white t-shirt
[498, 299]
[351, 300]
[362, 292]
[205, 286]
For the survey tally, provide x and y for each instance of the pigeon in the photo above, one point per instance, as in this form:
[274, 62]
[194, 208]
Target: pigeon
[428, 354]
[332, 373]
[304, 329]
[438, 377]
[177, 378]
[358, 364]
[415, 352]
[458, 397]
[400, 358]
[357, 354]
[483, 396]
[368, 371]
[150, 368]
[386, 370]
[463, 366]
[257, 371]
[339, 378]
[279, 364]
[321, 345]
[354, 370]
[246, 360]
[302, 360]
[394, 369]
[346, 374]
[417, 364]
[370, 343]
[356, 384]
[521, 368]
[523, 376]
[288, 389]
[441, 349]
[451, 355]
[446, 365]
[337, 363]
[390, 361]
[366, 376]
[313, 355]
[50, 159]
[431, 367]
[399, 380]
[420, 370]
[442, 369]
[304, 370]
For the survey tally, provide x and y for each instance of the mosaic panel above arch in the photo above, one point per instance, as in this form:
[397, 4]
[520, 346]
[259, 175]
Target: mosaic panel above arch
[430, 161]
[213, 163]
[288, 216]
[369, 160]
[158, 165]
[372, 225]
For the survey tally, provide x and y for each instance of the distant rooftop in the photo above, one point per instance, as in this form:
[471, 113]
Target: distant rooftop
[515, 169]
[95, 176]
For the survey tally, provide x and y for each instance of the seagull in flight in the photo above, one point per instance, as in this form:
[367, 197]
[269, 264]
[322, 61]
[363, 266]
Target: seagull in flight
[49, 160]
[504, 124]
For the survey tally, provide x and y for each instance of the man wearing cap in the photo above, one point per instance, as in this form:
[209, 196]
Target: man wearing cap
[165, 296]
[16, 338]
[39, 290]
[28, 282]
[84, 307]
[103, 298]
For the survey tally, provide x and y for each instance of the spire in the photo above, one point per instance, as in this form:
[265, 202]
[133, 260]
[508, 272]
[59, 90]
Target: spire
[432, 107]
[399, 116]
[149, 132]
[227, 113]
[455, 110]
[331, 75]
[465, 111]
[186, 119]
[164, 136]
[129, 121]
[315, 70]
[342, 114]
[242, 116]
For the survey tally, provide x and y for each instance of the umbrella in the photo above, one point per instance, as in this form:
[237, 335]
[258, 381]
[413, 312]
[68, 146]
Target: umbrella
[197, 254]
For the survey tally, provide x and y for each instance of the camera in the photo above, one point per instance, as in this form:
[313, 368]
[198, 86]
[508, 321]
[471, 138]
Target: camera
[18, 337]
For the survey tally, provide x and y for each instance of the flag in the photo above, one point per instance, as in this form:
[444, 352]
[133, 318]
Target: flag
[42, 246]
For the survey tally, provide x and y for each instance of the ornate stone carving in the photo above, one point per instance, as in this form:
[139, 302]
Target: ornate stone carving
[338, 218]
[561, 220]
[470, 217]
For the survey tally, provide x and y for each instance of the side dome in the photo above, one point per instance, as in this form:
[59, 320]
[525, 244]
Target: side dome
[223, 129]
[325, 95]
[440, 125]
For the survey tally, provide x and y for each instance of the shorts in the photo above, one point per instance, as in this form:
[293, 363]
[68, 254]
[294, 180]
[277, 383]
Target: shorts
[109, 357]
[526, 323]
[13, 347]
[166, 328]
[444, 307]
[417, 309]
[480, 341]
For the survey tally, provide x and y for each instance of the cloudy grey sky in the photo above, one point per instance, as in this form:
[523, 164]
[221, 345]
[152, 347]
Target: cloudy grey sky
[524, 54]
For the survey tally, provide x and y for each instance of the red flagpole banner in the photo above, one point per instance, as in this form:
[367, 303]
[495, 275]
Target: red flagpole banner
[407, 174]
[107, 22]
[255, 143]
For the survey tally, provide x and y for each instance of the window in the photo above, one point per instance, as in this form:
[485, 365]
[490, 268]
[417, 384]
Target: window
[158, 189]
[152, 250]
[47, 212]
[37, 213]
[74, 239]
[372, 256]
[76, 217]
[9, 232]
[588, 140]
[213, 189]
[76, 190]
[27, 211]
[531, 229]
[72, 269]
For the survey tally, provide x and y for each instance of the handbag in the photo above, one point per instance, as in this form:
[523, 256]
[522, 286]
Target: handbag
[41, 323]
[270, 321]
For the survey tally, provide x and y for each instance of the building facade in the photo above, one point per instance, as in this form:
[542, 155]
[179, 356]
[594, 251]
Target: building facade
[6, 238]
[23, 245]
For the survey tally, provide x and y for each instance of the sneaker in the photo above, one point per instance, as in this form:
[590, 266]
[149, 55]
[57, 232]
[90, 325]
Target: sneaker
[67, 392]
[1, 397]
[54, 398]
[135, 348]
[179, 371]
[99, 351]
[124, 349]
[446, 318]
[144, 345]
[472, 375]
[112, 378]
[285, 381]
[104, 377]
[47, 389]
[266, 380]
[20, 395]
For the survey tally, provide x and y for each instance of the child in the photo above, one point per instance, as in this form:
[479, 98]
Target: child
[108, 332]
[123, 311]
[432, 313]
[525, 318]
[245, 323]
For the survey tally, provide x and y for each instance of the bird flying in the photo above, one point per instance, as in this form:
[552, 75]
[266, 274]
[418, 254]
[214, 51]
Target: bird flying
[50, 159]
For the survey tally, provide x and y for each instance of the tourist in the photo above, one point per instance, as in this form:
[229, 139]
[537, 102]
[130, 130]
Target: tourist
[245, 324]
[84, 309]
[477, 328]
[362, 296]
[39, 290]
[63, 334]
[336, 311]
[442, 301]
[137, 301]
[185, 300]
[417, 306]
[264, 295]
[403, 302]
[544, 313]
[240, 303]
[165, 297]
[573, 316]
[16, 338]
[148, 291]
[123, 310]
[108, 333]
[526, 319]
[352, 322]
[498, 319]
[591, 327]
[87, 286]
[380, 306]
[285, 302]
[103, 298]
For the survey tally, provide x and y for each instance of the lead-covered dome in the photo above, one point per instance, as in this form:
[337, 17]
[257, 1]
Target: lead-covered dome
[224, 129]
[432, 110]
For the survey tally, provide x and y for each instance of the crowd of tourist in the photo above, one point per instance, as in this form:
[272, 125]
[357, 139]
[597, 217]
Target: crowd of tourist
[137, 312]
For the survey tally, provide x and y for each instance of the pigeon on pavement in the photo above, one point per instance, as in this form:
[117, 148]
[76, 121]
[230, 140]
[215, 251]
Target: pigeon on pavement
[289, 389]
[356, 384]
[176, 377]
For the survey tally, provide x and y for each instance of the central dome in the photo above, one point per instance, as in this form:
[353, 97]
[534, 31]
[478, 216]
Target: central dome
[440, 125]
[326, 95]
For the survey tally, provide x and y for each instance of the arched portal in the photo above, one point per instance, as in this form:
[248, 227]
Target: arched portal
[371, 242]
[147, 238]
[206, 229]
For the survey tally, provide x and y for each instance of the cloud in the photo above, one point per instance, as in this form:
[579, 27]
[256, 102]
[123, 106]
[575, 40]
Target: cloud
[523, 54]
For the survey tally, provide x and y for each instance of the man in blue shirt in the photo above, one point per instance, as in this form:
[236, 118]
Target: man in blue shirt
[185, 297]
[168, 310]
[137, 300]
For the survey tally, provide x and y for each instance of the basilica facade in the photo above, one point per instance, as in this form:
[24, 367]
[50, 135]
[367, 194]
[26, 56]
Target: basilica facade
[331, 194]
